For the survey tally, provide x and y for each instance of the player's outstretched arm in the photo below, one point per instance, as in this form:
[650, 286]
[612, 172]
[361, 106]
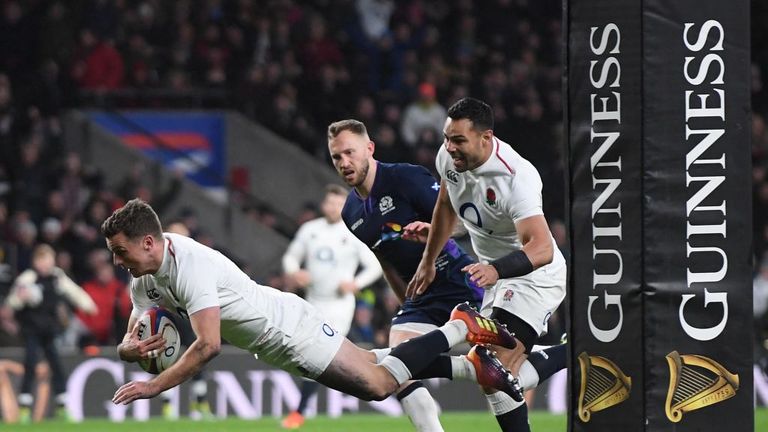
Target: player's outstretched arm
[443, 221]
[206, 325]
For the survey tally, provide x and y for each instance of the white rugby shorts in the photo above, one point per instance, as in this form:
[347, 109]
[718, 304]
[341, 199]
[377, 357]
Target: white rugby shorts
[533, 297]
[337, 312]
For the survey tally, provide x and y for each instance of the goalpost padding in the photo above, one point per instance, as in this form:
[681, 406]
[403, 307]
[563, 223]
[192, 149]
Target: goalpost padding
[658, 128]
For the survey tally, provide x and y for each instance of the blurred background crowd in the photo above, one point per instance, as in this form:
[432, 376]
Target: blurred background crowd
[293, 67]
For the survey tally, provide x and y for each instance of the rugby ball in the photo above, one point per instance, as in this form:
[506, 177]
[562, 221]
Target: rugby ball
[160, 321]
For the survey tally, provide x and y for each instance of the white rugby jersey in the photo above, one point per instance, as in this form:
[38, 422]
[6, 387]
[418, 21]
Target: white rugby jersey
[331, 255]
[192, 277]
[492, 197]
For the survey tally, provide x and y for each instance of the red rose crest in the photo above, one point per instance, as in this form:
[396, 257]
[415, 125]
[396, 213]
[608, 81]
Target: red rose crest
[490, 197]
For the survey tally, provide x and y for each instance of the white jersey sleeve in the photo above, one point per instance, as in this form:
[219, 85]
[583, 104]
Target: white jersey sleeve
[296, 251]
[524, 197]
[139, 299]
[196, 286]
[371, 269]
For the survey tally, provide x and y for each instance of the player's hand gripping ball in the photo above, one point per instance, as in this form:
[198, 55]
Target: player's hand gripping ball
[160, 321]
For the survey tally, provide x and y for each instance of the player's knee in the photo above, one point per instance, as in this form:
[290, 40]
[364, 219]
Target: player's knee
[380, 390]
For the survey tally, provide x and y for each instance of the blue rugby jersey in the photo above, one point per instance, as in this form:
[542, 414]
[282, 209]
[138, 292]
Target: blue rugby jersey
[401, 194]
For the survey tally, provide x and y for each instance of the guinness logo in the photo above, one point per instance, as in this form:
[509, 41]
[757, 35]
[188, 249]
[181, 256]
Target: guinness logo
[696, 382]
[603, 385]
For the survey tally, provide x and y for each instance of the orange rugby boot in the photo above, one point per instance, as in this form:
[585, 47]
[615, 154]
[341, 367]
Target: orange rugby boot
[482, 330]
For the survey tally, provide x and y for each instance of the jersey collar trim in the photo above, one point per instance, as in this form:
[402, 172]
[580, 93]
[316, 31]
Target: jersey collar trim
[168, 256]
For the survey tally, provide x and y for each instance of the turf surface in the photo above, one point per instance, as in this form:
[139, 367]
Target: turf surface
[452, 422]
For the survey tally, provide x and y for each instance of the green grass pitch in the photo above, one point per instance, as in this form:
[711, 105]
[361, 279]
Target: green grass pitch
[452, 422]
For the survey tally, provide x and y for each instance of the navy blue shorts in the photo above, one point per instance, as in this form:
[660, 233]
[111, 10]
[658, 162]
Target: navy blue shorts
[431, 309]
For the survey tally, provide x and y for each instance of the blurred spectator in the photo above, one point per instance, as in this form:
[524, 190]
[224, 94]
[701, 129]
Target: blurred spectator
[114, 306]
[57, 40]
[424, 113]
[38, 297]
[362, 331]
[97, 64]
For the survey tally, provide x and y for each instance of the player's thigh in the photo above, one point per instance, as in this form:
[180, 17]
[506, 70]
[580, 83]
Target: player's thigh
[400, 333]
[531, 298]
[338, 313]
[354, 371]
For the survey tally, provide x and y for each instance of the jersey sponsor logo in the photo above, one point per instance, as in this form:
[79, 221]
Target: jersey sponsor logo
[153, 293]
[356, 224]
[490, 197]
[324, 254]
[452, 176]
[389, 231]
[328, 330]
[467, 215]
[386, 205]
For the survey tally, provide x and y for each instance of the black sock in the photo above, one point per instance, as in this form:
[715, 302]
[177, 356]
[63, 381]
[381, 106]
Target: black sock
[418, 353]
[549, 361]
[515, 420]
[408, 390]
[439, 368]
[308, 389]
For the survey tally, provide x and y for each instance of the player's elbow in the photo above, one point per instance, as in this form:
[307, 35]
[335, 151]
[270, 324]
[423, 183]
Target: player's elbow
[213, 350]
[545, 255]
[208, 350]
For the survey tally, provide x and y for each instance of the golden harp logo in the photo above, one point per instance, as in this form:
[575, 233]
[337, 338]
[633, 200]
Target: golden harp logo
[603, 385]
[696, 382]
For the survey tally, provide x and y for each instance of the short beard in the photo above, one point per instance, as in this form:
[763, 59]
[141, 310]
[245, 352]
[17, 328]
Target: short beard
[363, 174]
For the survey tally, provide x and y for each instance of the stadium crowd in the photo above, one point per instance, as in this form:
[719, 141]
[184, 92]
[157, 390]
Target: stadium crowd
[293, 67]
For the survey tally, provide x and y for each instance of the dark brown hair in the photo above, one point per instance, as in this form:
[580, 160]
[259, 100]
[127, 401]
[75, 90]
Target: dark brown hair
[135, 219]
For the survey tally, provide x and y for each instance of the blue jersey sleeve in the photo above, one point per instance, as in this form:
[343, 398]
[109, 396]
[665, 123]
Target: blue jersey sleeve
[420, 188]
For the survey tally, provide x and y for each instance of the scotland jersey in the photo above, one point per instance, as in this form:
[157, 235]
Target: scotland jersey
[401, 194]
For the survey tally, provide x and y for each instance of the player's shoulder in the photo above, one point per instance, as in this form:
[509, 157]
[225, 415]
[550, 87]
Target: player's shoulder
[442, 159]
[186, 250]
[402, 168]
[314, 224]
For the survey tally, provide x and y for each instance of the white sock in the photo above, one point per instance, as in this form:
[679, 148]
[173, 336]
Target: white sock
[381, 353]
[502, 403]
[422, 410]
[455, 332]
[397, 368]
[462, 368]
[199, 388]
[26, 399]
[528, 376]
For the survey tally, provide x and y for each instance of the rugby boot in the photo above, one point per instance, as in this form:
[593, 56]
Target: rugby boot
[482, 330]
[491, 373]
[294, 420]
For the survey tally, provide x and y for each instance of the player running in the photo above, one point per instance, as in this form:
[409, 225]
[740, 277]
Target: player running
[497, 196]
